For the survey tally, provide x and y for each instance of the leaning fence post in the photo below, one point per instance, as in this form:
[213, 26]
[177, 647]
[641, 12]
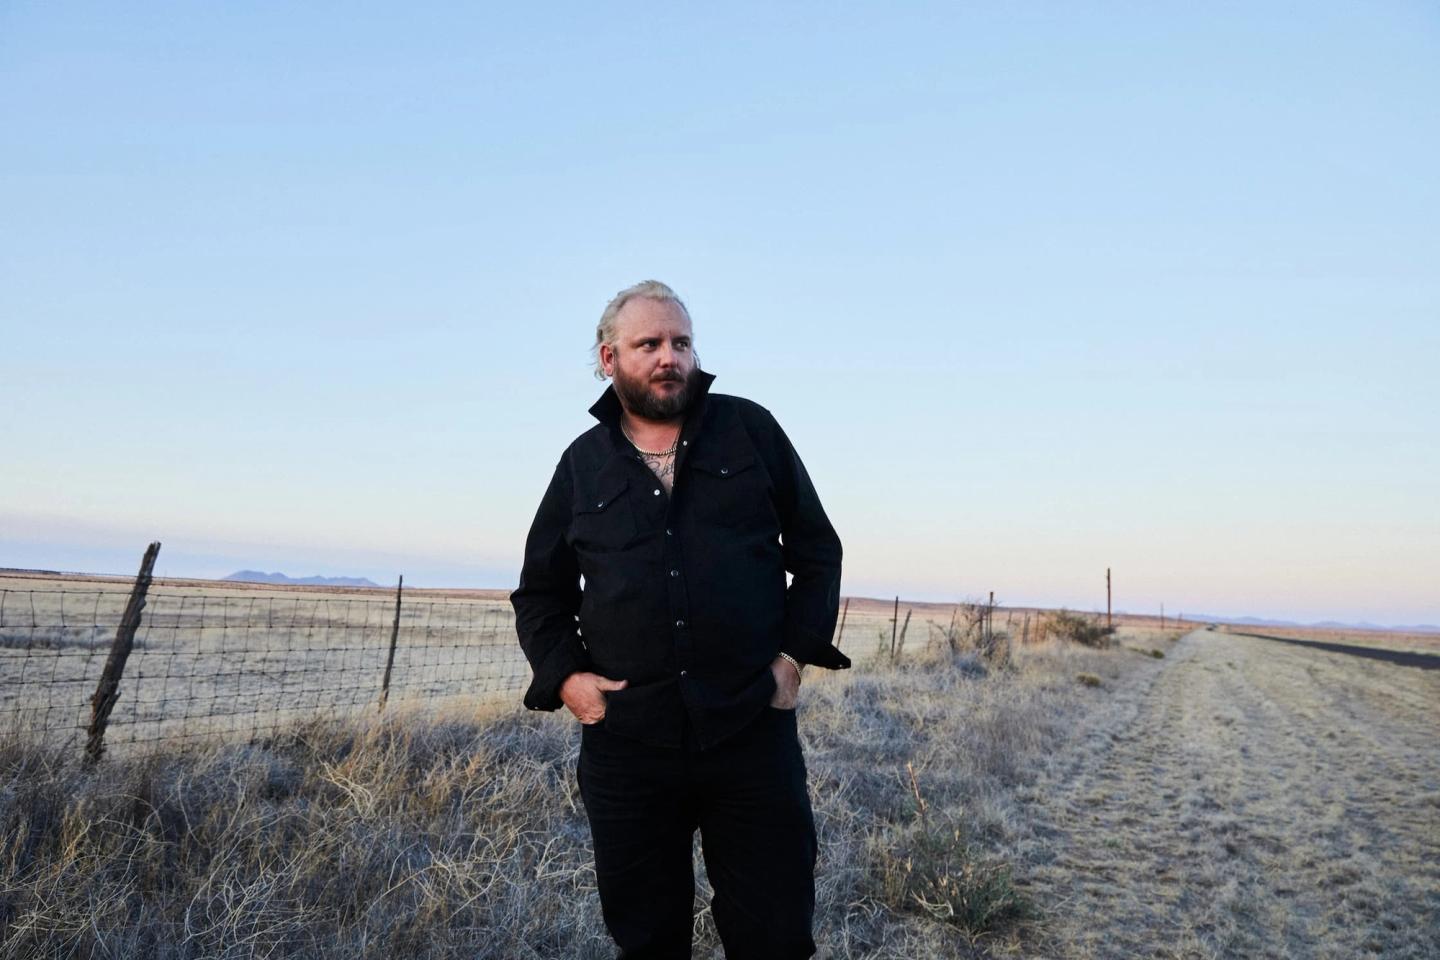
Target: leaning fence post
[394, 635]
[108, 690]
[840, 634]
[894, 626]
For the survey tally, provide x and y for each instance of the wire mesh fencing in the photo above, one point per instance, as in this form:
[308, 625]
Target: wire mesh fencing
[226, 661]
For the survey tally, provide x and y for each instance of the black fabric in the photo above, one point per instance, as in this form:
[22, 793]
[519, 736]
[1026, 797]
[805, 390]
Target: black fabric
[747, 797]
[684, 593]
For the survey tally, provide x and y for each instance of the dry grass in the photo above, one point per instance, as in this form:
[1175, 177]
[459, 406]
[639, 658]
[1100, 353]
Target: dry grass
[1243, 799]
[419, 837]
[464, 835]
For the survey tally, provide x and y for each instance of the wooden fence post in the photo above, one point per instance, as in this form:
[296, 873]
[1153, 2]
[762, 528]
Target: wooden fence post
[901, 647]
[1109, 624]
[394, 635]
[841, 634]
[894, 626]
[108, 690]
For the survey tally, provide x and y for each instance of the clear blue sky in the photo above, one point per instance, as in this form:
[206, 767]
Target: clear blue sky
[1036, 289]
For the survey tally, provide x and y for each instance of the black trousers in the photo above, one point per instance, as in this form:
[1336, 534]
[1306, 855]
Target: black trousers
[747, 796]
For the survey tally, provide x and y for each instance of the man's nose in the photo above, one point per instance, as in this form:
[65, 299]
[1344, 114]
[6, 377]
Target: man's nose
[668, 356]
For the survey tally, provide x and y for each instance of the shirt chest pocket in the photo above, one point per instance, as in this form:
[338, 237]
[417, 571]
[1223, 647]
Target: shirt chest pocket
[733, 490]
[605, 520]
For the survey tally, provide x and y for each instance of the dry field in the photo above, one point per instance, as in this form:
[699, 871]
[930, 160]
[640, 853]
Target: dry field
[1231, 797]
[233, 658]
[1387, 640]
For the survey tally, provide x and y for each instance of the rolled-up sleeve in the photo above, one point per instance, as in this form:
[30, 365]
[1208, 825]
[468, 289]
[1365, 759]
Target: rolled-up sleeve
[548, 599]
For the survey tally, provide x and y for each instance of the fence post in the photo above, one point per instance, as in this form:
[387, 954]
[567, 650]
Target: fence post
[108, 690]
[841, 634]
[1109, 624]
[901, 646]
[894, 626]
[990, 617]
[394, 635]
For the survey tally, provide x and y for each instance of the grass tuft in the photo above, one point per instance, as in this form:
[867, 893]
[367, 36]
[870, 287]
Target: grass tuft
[931, 868]
[1077, 628]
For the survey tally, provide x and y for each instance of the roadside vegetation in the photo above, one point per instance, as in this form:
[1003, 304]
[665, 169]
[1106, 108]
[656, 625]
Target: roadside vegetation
[1077, 628]
[464, 836]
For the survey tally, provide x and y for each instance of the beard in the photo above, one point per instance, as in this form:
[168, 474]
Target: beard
[637, 397]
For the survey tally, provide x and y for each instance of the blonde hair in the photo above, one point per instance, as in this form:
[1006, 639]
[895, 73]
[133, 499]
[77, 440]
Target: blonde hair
[605, 329]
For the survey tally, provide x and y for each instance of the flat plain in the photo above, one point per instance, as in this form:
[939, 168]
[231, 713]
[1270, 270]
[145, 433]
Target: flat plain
[1181, 794]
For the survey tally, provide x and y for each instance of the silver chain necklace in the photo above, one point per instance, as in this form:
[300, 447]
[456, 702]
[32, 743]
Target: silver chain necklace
[650, 453]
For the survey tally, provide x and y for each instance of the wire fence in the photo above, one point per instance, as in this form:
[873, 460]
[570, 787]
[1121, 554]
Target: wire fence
[81, 662]
[228, 660]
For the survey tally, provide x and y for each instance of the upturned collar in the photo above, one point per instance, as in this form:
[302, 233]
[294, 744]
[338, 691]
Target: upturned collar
[607, 409]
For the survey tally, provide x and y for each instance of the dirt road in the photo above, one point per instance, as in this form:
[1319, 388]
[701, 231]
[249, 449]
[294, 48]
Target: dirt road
[1247, 799]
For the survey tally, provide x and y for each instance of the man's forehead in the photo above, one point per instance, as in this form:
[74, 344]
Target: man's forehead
[646, 315]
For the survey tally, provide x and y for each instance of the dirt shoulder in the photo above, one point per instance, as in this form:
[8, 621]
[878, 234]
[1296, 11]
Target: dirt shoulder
[1251, 798]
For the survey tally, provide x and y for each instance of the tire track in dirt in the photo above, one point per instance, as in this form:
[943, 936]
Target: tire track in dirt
[1250, 799]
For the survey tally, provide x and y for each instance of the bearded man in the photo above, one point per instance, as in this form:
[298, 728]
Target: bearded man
[681, 656]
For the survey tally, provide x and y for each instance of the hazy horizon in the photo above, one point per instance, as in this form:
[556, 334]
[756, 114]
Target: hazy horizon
[420, 575]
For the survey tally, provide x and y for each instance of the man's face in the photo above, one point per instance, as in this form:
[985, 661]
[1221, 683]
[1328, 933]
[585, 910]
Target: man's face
[652, 362]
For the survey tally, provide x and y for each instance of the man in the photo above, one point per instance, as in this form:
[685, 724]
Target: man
[681, 656]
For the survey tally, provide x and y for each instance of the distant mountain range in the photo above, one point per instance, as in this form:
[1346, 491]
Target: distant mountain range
[1322, 625]
[256, 576]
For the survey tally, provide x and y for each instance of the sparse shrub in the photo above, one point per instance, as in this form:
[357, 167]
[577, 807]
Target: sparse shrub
[1077, 628]
[933, 870]
[1089, 679]
[1158, 654]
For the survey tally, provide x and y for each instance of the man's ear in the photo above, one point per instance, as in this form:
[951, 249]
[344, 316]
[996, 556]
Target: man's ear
[607, 359]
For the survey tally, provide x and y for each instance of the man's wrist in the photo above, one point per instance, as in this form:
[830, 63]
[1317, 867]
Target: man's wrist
[799, 671]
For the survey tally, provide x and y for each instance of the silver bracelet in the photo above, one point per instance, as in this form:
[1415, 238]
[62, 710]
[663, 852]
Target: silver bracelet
[799, 671]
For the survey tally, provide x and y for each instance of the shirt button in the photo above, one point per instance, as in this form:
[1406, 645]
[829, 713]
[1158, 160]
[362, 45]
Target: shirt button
[684, 443]
[669, 532]
[684, 672]
[674, 573]
[724, 470]
[600, 504]
[679, 623]
[657, 491]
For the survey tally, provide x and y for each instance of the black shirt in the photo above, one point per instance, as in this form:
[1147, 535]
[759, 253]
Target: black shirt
[684, 592]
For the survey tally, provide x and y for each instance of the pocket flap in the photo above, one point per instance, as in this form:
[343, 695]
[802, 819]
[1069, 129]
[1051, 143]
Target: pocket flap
[603, 498]
[722, 466]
